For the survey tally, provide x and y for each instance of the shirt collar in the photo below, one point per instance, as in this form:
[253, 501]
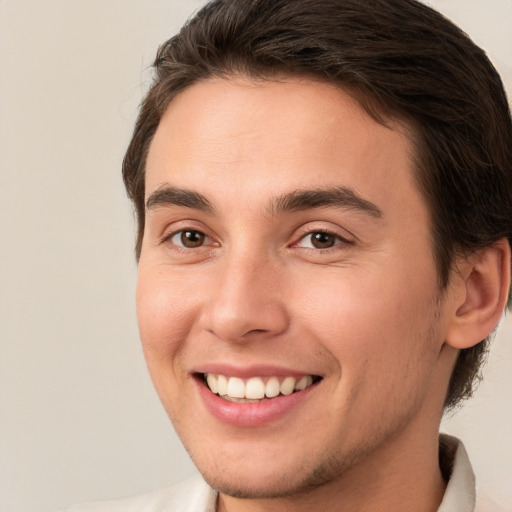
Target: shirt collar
[454, 461]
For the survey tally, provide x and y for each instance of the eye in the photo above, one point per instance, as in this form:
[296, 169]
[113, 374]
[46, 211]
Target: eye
[319, 240]
[189, 238]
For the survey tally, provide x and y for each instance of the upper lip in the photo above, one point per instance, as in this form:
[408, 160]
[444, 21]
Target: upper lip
[246, 372]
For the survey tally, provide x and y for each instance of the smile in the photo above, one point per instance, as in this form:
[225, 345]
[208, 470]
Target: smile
[256, 389]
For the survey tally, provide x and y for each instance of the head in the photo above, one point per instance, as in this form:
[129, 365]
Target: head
[447, 91]
[412, 73]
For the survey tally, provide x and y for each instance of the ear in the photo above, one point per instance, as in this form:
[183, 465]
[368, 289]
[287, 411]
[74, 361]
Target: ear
[481, 295]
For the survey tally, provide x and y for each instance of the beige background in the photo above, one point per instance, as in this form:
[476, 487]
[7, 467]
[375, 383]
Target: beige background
[78, 417]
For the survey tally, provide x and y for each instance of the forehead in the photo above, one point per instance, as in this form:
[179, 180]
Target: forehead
[269, 137]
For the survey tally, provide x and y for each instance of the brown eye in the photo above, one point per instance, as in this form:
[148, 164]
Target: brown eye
[321, 240]
[189, 238]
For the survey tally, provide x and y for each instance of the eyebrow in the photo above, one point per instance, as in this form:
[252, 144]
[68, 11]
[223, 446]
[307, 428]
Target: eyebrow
[297, 200]
[168, 195]
[338, 197]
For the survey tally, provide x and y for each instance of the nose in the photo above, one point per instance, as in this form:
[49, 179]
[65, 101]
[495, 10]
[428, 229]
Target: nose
[247, 301]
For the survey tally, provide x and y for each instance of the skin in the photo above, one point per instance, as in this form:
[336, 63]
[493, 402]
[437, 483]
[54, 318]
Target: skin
[366, 314]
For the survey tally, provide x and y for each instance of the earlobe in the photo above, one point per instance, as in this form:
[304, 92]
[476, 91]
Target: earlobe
[485, 284]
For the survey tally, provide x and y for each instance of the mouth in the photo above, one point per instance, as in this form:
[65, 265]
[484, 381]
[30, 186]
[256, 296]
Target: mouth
[256, 389]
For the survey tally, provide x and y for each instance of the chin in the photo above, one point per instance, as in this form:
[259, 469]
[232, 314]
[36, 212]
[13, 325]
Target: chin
[269, 487]
[250, 479]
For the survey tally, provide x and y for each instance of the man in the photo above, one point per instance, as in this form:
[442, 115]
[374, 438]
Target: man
[324, 195]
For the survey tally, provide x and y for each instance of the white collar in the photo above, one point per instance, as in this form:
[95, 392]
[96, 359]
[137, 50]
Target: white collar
[460, 494]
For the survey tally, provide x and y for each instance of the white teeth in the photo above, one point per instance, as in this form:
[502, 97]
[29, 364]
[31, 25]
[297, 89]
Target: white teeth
[272, 387]
[255, 388]
[236, 388]
[301, 383]
[304, 383]
[241, 400]
[287, 386]
[212, 383]
[222, 385]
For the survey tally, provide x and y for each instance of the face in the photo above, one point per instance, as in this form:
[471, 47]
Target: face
[287, 296]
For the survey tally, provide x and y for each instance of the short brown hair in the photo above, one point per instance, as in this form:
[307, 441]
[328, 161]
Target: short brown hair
[399, 58]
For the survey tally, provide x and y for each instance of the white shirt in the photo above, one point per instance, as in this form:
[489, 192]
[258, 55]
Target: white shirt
[194, 495]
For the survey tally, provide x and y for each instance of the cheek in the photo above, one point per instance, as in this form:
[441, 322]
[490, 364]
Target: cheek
[165, 318]
[165, 315]
[373, 323]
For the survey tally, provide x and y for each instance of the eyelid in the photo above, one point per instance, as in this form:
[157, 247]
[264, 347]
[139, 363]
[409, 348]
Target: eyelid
[345, 240]
[186, 225]
[311, 227]
[339, 241]
[171, 236]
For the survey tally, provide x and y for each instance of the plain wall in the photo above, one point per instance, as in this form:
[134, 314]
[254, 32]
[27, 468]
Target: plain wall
[79, 419]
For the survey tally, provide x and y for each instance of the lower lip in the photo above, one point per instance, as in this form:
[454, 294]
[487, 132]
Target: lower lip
[251, 414]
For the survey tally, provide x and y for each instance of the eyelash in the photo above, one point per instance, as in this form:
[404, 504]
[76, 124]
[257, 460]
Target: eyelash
[181, 232]
[338, 241]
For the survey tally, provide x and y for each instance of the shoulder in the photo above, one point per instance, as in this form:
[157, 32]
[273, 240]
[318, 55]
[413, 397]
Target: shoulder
[192, 495]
